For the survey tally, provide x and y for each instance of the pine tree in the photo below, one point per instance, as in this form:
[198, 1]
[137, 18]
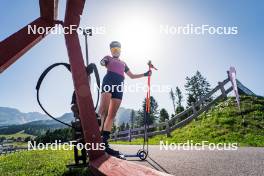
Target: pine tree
[132, 118]
[179, 98]
[197, 86]
[122, 127]
[127, 126]
[137, 120]
[114, 127]
[172, 97]
[152, 115]
[164, 115]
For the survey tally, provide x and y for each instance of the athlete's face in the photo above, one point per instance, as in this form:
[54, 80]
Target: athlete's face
[115, 51]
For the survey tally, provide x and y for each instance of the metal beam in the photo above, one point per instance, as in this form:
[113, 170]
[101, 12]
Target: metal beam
[20, 42]
[89, 123]
[111, 166]
[48, 10]
[99, 162]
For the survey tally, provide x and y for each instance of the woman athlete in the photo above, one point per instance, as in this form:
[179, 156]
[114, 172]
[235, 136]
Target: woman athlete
[112, 93]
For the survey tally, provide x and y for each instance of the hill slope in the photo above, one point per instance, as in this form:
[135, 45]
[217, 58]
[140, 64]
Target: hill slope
[223, 123]
[37, 127]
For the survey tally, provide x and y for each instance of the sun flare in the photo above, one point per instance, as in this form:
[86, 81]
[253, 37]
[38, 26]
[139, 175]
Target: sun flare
[137, 36]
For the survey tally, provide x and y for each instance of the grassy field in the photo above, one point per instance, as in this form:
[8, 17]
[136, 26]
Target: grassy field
[16, 135]
[39, 162]
[222, 124]
[17, 144]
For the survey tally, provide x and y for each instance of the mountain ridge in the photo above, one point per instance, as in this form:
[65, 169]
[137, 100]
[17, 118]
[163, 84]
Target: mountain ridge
[13, 116]
[12, 120]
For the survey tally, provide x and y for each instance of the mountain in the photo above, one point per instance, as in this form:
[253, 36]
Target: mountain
[13, 121]
[67, 118]
[123, 115]
[11, 116]
[37, 127]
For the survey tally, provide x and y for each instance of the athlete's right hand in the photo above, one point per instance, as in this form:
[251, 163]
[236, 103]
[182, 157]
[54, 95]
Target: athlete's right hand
[105, 60]
[148, 73]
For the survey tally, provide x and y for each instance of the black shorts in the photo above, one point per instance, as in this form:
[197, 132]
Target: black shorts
[113, 83]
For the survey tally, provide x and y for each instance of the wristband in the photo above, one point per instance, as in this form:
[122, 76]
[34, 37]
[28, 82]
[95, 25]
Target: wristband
[146, 74]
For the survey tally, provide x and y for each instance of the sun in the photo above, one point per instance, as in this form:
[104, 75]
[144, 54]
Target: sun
[137, 36]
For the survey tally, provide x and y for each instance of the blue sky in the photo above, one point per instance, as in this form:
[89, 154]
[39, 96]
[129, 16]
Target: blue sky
[136, 25]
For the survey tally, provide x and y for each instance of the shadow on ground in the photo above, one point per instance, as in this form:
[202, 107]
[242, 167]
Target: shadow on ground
[78, 172]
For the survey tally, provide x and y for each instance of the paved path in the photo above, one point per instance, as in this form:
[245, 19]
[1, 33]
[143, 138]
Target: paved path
[244, 161]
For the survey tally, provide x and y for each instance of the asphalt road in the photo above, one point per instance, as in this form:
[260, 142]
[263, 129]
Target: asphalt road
[244, 161]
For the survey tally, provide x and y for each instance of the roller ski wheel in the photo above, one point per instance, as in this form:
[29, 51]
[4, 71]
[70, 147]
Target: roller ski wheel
[142, 154]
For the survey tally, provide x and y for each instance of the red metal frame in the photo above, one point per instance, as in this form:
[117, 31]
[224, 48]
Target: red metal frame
[111, 166]
[99, 162]
[89, 123]
[10, 50]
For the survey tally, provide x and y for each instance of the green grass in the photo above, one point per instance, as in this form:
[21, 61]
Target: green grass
[16, 135]
[18, 144]
[39, 162]
[222, 124]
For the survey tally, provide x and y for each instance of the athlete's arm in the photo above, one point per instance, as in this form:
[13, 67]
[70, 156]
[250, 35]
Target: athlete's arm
[105, 61]
[135, 76]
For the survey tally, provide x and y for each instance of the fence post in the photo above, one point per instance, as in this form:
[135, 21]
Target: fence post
[167, 128]
[129, 135]
[222, 89]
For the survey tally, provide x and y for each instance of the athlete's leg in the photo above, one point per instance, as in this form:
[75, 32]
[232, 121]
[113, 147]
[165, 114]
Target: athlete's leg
[104, 105]
[112, 110]
[113, 107]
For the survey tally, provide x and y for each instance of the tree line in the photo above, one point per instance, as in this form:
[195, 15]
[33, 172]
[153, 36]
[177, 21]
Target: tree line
[196, 87]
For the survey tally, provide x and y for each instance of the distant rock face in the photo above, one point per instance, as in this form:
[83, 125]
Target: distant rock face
[67, 118]
[11, 116]
[123, 115]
